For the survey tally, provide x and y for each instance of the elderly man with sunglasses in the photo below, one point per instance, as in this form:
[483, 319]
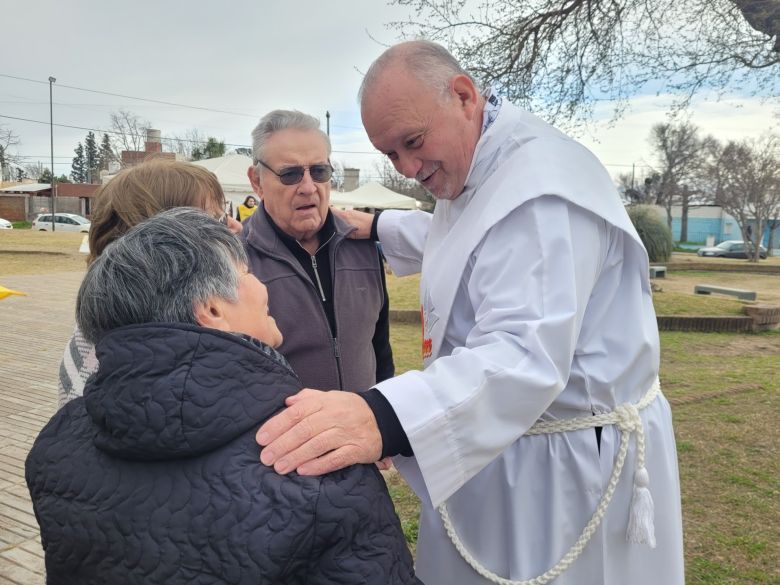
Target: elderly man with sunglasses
[328, 292]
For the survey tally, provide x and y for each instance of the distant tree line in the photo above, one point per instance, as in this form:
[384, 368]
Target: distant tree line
[91, 159]
[743, 177]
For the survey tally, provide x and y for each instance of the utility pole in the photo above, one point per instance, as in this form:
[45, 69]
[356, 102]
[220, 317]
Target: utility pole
[51, 134]
[327, 122]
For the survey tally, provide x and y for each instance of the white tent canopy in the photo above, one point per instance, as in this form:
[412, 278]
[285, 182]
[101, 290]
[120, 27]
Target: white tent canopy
[231, 174]
[372, 195]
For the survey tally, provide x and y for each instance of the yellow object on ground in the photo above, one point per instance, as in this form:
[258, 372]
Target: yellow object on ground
[7, 292]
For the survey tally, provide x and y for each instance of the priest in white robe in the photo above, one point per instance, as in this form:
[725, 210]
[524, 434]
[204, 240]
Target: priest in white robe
[537, 437]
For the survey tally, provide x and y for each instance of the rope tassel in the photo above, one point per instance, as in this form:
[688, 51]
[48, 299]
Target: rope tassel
[641, 528]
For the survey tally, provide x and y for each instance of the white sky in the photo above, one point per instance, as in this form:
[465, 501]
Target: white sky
[247, 56]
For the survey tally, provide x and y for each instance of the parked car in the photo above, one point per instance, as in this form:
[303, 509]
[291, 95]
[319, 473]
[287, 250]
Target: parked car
[5, 224]
[730, 249]
[66, 222]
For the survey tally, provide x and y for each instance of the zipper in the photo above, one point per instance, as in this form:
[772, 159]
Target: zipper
[314, 263]
[317, 276]
[337, 355]
[336, 349]
[334, 340]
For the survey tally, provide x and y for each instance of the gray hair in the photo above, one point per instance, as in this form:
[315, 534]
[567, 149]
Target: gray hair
[428, 62]
[159, 272]
[278, 120]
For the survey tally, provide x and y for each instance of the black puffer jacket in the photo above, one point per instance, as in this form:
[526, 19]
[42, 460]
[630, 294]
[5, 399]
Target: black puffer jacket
[154, 476]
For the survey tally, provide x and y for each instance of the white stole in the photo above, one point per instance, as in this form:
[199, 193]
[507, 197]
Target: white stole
[519, 158]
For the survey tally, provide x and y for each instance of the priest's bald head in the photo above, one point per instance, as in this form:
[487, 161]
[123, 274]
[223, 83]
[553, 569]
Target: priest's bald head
[423, 111]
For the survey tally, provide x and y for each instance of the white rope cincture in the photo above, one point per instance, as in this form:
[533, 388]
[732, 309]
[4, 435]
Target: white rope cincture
[640, 530]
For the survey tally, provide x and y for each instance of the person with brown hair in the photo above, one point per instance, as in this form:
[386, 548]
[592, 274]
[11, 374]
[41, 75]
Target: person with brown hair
[136, 194]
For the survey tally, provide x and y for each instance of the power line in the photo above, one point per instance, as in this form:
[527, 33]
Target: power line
[39, 156]
[101, 131]
[130, 97]
[233, 144]
[162, 138]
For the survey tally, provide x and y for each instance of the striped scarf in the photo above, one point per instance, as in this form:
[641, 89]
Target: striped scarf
[78, 364]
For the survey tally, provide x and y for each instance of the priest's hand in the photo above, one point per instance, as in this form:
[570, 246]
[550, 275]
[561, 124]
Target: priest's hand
[320, 432]
[359, 219]
[385, 464]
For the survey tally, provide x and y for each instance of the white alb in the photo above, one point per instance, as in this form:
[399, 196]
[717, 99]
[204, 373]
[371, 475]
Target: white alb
[537, 310]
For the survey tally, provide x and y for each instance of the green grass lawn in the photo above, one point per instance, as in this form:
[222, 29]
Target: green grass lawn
[726, 403]
[404, 294]
[24, 251]
[677, 303]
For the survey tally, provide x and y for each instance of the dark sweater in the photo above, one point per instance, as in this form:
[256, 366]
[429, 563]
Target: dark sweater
[154, 476]
[327, 352]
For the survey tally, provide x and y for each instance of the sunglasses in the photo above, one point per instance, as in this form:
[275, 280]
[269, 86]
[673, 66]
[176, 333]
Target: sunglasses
[294, 175]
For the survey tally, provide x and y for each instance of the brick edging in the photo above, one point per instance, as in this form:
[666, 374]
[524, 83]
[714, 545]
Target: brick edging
[722, 324]
[712, 324]
[721, 267]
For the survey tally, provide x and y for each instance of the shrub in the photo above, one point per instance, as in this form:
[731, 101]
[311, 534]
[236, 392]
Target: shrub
[653, 231]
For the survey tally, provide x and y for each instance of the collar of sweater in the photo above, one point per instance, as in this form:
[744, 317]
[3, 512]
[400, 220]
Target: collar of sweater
[261, 232]
[166, 391]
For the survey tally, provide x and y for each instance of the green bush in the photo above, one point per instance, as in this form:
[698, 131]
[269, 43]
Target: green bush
[18, 225]
[653, 231]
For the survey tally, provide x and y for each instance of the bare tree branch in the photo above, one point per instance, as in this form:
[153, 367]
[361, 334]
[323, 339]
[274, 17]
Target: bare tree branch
[129, 132]
[747, 178]
[561, 57]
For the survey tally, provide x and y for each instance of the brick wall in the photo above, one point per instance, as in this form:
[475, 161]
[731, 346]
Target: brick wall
[765, 317]
[759, 318]
[705, 324]
[69, 205]
[77, 189]
[64, 205]
[12, 207]
[726, 266]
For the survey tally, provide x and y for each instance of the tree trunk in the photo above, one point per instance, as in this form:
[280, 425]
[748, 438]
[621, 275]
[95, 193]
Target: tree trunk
[668, 207]
[763, 16]
[684, 217]
[755, 241]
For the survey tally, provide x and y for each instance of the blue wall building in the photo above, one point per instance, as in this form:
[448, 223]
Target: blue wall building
[711, 221]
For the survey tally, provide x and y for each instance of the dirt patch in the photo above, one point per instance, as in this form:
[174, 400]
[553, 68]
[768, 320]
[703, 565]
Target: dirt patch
[767, 286]
[32, 252]
[739, 345]
[711, 395]
[24, 262]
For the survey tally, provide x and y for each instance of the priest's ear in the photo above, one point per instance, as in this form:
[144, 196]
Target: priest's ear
[211, 313]
[467, 94]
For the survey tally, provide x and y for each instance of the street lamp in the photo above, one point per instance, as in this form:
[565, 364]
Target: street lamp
[51, 133]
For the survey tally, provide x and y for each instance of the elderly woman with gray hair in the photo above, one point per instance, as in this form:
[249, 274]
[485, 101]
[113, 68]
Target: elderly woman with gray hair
[153, 475]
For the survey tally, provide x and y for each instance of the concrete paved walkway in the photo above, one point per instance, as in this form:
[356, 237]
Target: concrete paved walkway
[33, 333]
